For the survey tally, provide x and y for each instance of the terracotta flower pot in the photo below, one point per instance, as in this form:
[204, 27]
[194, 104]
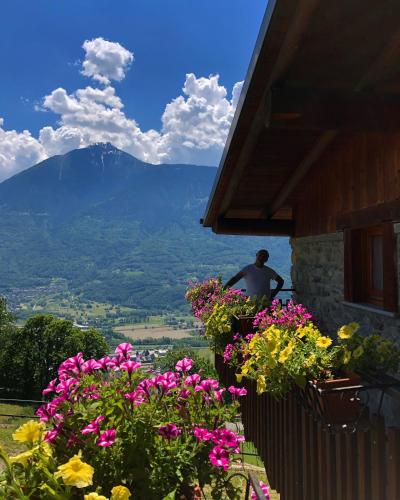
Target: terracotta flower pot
[337, 407]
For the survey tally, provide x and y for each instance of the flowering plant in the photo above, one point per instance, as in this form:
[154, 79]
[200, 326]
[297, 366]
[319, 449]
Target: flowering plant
[202, 297]
[370, 354]
[155, 434]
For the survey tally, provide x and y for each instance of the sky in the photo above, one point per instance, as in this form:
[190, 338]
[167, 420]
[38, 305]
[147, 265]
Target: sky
[159, 79]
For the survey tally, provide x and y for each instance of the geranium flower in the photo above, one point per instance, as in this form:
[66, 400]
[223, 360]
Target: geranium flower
[219, 457]
[265, 490]
[125, 348]
[29, 432]
[107, 438]
[130, 366]
[184, 365]
[237, 391]
[120, 493]
[192, 380]
[93, 427]
[76, 473]
[169, 431]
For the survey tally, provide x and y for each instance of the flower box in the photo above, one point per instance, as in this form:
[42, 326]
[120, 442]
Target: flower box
[335, 401]
[243, 324]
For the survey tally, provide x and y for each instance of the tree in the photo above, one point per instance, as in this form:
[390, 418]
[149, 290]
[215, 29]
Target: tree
[32, 354]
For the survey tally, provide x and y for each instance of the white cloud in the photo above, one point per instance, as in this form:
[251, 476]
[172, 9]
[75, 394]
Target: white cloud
[18, 151]
[194, 125]
[105, 61]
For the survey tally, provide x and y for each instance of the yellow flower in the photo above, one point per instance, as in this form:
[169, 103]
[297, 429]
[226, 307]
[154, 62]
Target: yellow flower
[30, 431]
[354, 326]
[239, 377]
[261, 385]
[323, 342]
[76, 473]
[120, 493]
[346, 357]
[345, 332]
[22, 458]
[94, 496]
[358, 352]
[311, 360]
[285, 354]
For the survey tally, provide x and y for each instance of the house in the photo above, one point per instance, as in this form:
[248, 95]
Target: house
[314, 153]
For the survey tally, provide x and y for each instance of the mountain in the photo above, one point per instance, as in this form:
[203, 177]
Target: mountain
[116, 229]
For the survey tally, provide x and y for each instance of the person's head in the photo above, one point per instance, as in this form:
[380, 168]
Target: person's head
[262, 257]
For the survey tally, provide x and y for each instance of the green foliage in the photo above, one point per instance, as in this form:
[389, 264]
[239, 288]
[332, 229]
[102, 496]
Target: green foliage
[30, 355]
[200, 365]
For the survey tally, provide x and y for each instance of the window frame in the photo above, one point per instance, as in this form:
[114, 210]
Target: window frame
[358, 266]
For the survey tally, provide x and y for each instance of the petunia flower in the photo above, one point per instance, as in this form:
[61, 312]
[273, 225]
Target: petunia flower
[130, 366]
[192, 380]
[75, 473]
[207, 385]
[120, 493]
[107, 438]
[265, 490]
[219, 457]
[90, 366]
[184, 365]
[51, 387]
[237, 391]
[202, 434]
[29, 432]
[125, 348]
[169, 431]
[93, 427]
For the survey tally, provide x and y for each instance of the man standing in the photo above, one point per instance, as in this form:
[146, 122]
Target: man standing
[258, 278]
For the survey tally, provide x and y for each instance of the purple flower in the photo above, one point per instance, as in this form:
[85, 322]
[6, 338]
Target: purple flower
[218, 394]
[72, 366]
[90, 366]
[130, 366]
[237, 391]
[136, 397]
[192, 380]
[52, 435]
[207, 385]
[184, 365]
[227, 438]
[228, 352]
[93, 427]
[169, 431]
[125, 348]
[105, 363]
[265, 490]
[107, 438]
[219, 457]
[202, 434]
[51, 387]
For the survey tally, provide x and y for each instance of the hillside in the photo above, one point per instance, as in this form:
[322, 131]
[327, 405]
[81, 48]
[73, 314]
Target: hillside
[115, 230]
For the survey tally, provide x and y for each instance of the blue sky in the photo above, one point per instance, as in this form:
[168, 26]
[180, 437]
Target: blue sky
[157, 42]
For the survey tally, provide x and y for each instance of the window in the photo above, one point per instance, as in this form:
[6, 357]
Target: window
[370, 266]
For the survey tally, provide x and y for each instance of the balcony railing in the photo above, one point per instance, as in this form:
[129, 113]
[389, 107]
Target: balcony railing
[305, 460]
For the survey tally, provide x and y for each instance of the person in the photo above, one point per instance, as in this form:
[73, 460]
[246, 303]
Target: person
[258, 278]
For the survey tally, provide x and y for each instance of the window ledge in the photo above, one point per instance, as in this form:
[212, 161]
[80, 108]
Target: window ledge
[371, 309]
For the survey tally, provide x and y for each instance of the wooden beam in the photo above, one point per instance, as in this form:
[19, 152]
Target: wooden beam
[280, 61]
[260, 227]
[383, 212]
[377, 71]
[310, 109]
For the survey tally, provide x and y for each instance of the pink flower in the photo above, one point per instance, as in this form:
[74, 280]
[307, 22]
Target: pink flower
[218, 394]
[202, 434]
[52, 435]
[265, 490]
[169, 431]
[73, 439]
[125, 348]
[237, 391]
[207, 385]
[93, 427]
[72, 366]
[107, 438]
[65, 386]
[228, 352]
[219, 457]
[184, 394]
[46, 412]
[227, 438]
[136, 397]
[105, 363]
[184, 365]
[90, 366]
[130, 366]
[51, 387]
[192, 380]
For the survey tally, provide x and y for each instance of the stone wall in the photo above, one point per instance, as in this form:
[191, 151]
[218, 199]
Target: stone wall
[318, 278]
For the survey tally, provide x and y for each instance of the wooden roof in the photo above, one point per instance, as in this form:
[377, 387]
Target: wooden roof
[319, 69]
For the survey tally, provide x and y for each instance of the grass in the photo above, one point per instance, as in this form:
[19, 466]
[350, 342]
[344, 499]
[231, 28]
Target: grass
[9, 424]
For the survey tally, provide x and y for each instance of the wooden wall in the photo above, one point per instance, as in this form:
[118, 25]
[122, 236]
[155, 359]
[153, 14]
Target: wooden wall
[357, 171]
